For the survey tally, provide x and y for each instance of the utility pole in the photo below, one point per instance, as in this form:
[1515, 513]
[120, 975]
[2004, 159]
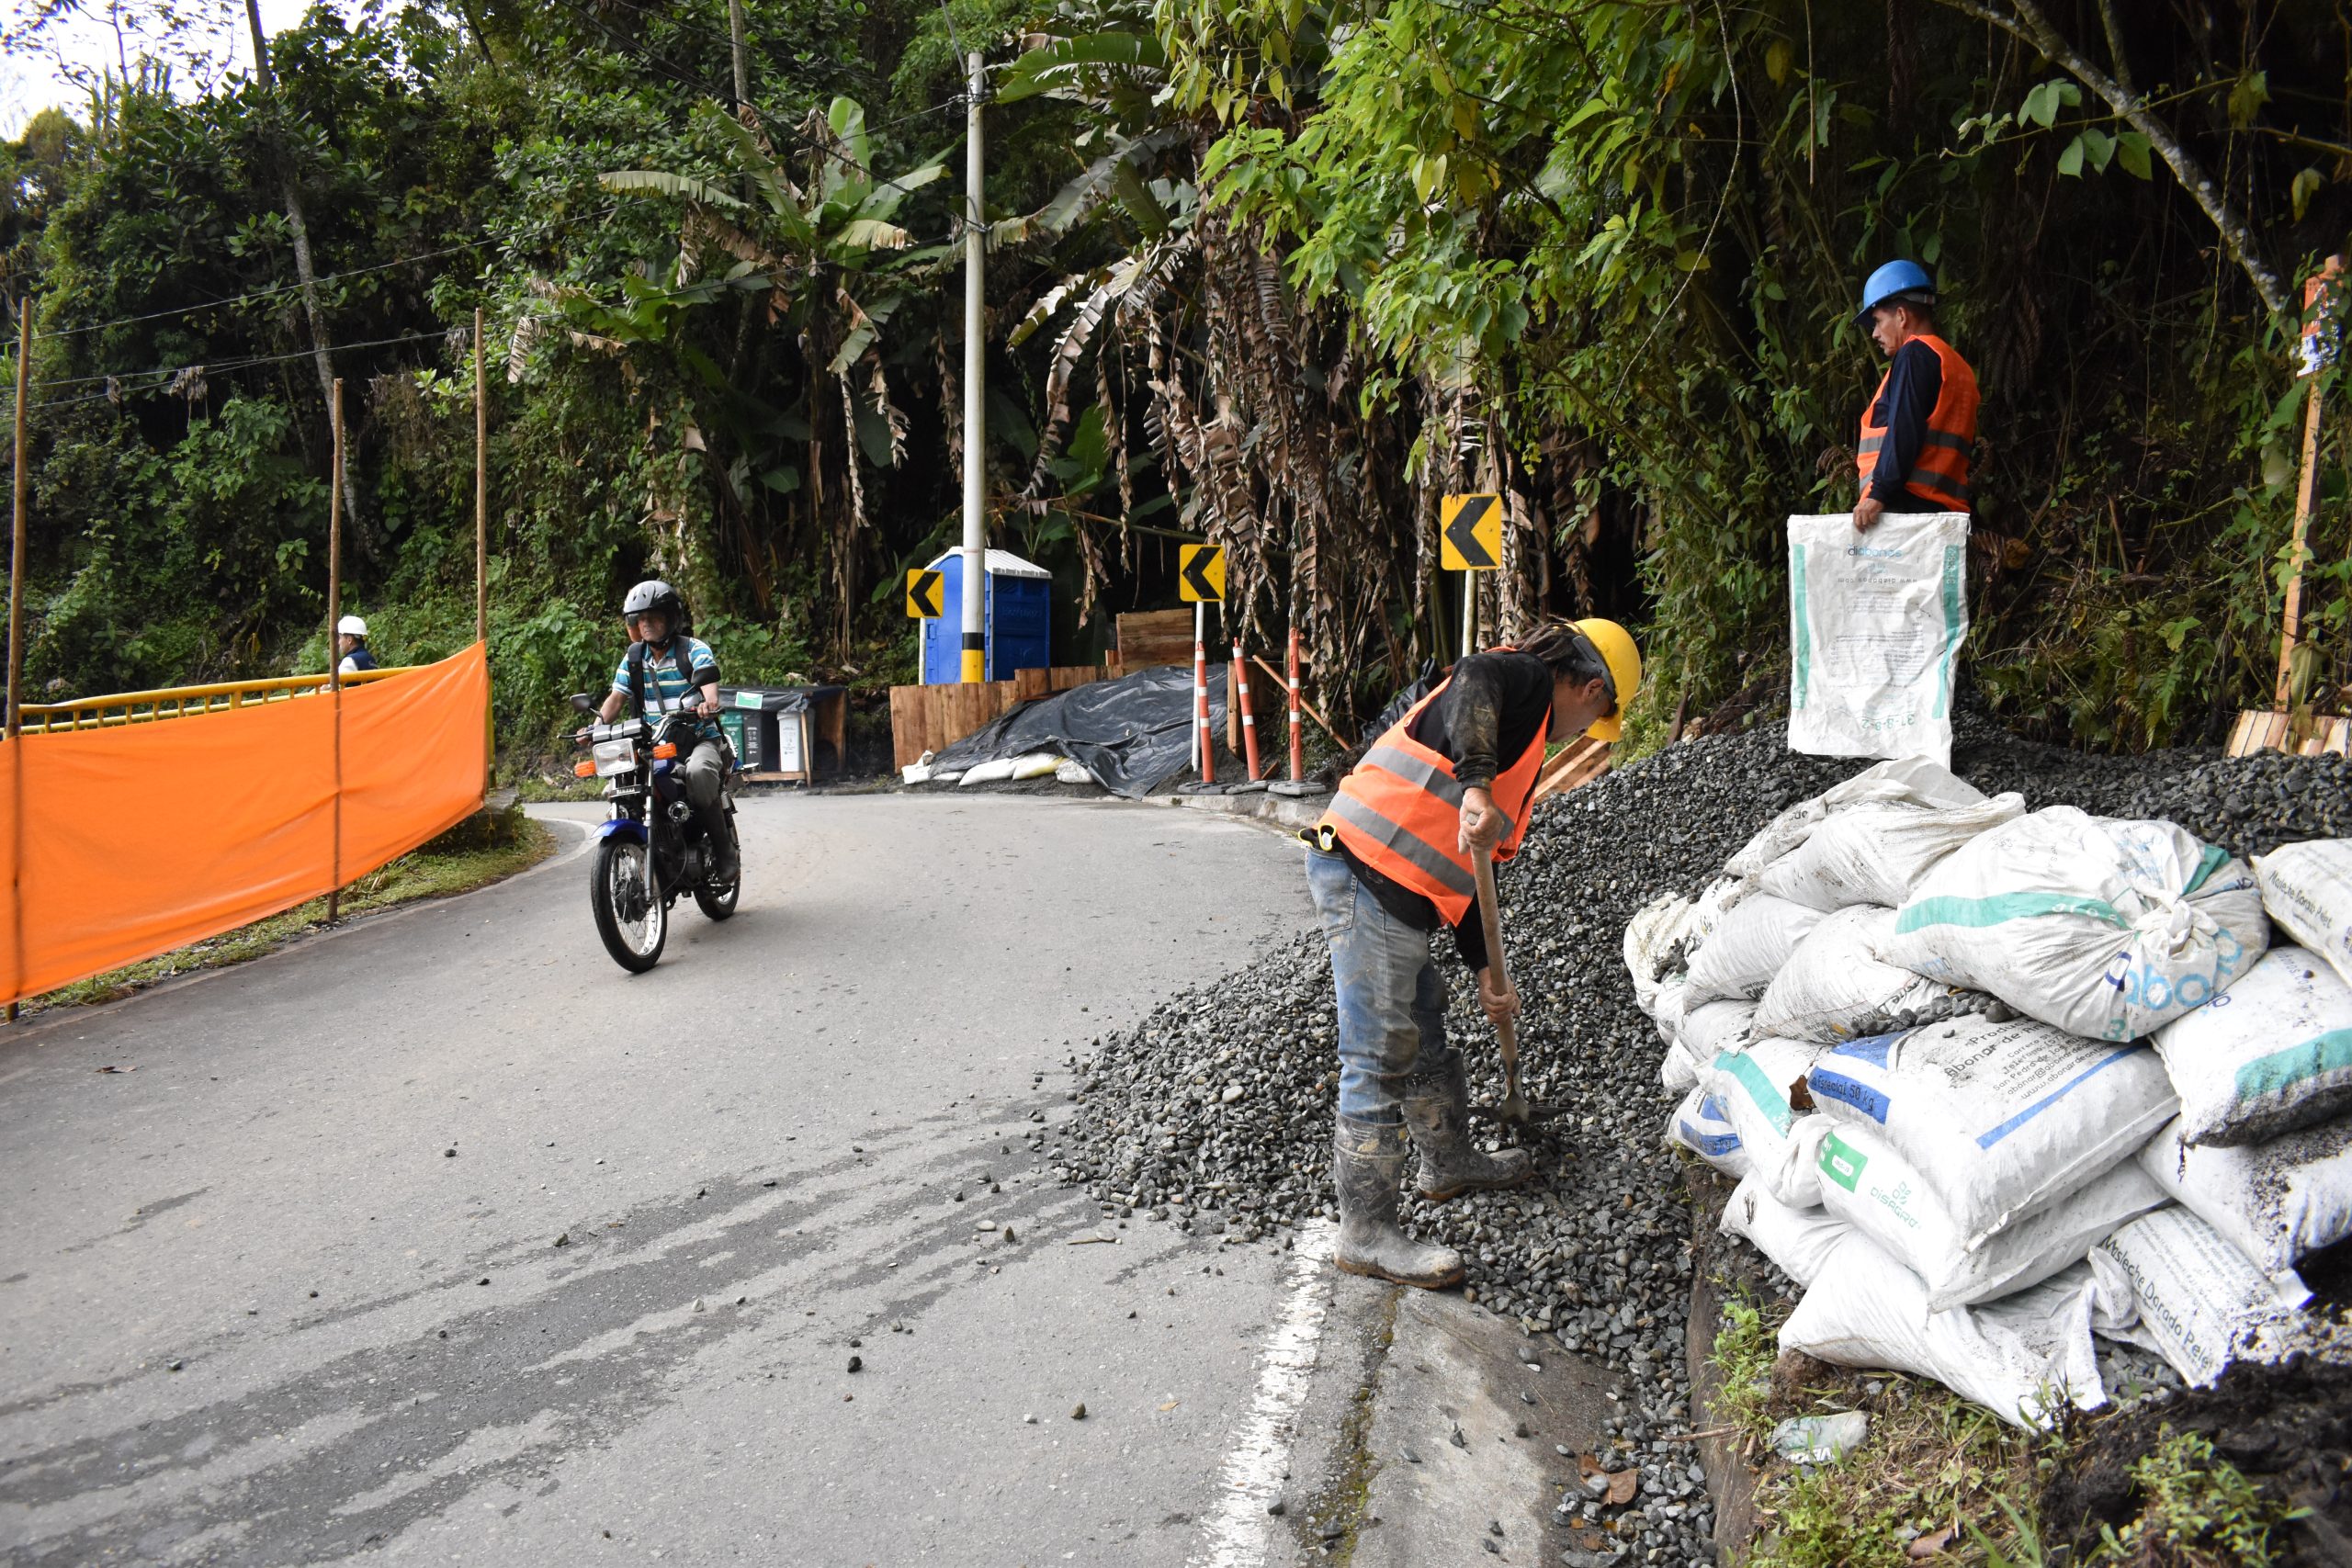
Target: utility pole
[303, 271]
[976, 235]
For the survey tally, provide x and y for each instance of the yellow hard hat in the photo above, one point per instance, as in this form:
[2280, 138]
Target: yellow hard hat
[1624, 661]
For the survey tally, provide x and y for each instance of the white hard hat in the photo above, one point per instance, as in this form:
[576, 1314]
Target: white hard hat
[351, 625]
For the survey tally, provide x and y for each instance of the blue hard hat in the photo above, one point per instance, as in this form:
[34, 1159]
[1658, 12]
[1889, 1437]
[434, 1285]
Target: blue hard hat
[1895, 277]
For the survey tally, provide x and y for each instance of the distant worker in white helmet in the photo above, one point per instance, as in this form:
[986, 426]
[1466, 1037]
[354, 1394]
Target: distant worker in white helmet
[351, 646]
[1390, 862]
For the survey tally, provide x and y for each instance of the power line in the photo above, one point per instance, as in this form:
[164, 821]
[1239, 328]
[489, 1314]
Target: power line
[288, 288]
[165, 376]
[251, 294]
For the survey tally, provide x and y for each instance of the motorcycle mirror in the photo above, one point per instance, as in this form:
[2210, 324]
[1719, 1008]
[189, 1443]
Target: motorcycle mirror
[584, 701]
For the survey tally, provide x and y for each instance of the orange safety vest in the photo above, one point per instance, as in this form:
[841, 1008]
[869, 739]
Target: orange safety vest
[1939, 474]
[1400, 813]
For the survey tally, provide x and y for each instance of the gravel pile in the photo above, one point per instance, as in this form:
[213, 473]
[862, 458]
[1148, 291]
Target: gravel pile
[1215, 1112]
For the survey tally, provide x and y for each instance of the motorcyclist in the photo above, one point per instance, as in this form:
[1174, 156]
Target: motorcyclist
[665, 671]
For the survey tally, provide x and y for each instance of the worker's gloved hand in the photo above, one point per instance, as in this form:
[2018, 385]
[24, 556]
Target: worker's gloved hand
[1497, 995]
[1482, 825]
[1867, 512]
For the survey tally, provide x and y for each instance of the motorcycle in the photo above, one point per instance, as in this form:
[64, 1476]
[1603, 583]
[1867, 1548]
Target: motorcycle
[652, 846]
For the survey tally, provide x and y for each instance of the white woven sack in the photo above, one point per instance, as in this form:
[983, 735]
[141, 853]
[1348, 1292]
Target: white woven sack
[1798, 1241]
[1666, 1009]
[1712, 1028]
[2271, 1053]
[1834, 987]
[1877, 853]
[1747, 949]
[1876, 621]
[1866, 1184]
[2103, 928]
[2307, 887]
[1664, 933]
[1678, 1070]
[2274, 1201]
[2023, 1358]
[1998, 1119]
[1754, 1089]
[2201, 1300]
[1700, 1125]
[1907, 780]
[1652, 944]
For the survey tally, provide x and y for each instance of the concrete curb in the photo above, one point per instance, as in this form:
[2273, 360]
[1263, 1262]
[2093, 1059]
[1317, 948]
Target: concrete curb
[1279, 812]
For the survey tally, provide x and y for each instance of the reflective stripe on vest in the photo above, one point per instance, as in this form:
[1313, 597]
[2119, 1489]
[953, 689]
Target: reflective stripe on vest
[1939, 474]
[1400, 814]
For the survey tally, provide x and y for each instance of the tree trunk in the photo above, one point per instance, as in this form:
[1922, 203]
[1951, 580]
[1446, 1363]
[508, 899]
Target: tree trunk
[322, 358]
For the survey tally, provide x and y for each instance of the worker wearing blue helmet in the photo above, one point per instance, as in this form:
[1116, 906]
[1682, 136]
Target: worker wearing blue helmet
[1919, 427]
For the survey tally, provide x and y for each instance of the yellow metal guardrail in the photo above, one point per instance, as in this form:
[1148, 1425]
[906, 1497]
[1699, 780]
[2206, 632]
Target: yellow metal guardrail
[183, 702]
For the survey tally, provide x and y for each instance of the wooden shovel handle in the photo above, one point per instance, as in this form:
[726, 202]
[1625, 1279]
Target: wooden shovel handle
[1490, 917]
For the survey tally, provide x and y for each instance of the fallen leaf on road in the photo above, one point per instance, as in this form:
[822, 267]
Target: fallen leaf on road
[1622, 1483]
[1170, 1405]
[130, 1070]
[1934, 1545]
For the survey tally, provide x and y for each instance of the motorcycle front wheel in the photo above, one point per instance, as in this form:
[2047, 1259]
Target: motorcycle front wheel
[718, 902]
[631, 916]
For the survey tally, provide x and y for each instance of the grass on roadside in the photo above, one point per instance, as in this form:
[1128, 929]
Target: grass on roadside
[479, 851]
[1933, 1462]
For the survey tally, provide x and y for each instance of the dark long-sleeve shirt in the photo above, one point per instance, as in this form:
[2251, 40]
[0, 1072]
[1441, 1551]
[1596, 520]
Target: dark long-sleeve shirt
[1913, 381]
[1494, 707]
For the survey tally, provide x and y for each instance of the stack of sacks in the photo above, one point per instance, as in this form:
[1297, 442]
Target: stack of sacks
[1971, 1197]
[2258, 1162]
[1986, 1157]
[1787, 953]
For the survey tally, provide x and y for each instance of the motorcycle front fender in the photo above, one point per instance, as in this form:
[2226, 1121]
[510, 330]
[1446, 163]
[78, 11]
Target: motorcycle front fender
[621, 828]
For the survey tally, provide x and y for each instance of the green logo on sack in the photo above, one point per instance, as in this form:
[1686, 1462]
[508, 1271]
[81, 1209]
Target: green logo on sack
[1841, 1162]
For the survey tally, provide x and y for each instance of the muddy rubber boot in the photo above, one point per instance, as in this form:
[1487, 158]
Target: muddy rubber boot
[1367, 1162]
[1437, 1108]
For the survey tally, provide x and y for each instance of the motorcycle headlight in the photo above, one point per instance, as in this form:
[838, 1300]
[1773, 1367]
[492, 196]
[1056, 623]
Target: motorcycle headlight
[616, 757]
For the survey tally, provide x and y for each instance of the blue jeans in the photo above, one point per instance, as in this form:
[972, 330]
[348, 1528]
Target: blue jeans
[1392, 1000]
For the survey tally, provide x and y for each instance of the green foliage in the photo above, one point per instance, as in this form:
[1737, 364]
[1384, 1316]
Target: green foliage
[2197, 1509]
[1270, 270]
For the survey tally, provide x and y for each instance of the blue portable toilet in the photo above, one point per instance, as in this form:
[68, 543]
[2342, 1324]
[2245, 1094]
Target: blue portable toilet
[1016, 616]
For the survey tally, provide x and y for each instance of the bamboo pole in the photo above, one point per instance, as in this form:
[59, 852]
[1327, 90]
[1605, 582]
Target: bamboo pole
[481, 543]
[335, 658]
[17, 646]
[481, 489]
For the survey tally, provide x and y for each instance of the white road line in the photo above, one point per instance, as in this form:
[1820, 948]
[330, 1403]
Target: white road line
[1235, 1532]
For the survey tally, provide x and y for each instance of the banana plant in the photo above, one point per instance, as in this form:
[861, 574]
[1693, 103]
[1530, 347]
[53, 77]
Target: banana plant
[826, 261]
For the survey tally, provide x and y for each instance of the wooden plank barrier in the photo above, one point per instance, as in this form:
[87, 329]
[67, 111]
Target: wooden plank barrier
[931, 718]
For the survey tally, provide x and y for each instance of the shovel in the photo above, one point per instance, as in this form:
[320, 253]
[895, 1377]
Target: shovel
[1516, 1109]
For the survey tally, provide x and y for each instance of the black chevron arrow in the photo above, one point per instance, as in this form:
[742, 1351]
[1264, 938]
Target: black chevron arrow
[1196, 570]
[925, 593]
[1462, 533]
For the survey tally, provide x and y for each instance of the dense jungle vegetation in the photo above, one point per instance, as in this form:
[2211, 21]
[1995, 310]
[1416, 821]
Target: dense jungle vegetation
[1276, 273]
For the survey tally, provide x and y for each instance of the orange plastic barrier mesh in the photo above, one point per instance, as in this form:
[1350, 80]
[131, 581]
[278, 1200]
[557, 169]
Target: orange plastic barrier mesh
[118, 845]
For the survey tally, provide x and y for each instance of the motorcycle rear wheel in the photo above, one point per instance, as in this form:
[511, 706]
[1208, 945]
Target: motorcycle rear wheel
[718, 902]
[622, 881]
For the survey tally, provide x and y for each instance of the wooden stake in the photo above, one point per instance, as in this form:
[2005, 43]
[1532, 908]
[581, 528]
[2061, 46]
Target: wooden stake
[2291, 620]
[334, 659]
[17, 642]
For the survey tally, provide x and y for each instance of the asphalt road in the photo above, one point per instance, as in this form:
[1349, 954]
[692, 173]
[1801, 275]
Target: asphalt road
[440, 1238]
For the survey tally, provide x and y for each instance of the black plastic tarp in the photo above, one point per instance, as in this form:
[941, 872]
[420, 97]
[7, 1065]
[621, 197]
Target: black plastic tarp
[1133, 734]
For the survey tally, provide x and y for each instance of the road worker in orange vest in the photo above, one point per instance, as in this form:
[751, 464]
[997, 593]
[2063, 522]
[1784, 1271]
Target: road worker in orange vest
[1390, 861]
[1920, 425]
